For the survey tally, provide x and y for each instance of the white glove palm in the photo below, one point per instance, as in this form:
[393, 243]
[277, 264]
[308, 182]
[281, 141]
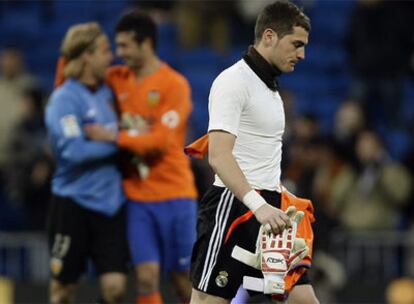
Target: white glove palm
[275, 255]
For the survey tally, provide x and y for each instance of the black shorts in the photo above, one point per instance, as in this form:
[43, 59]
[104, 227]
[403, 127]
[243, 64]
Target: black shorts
[213, 270]
[77, 234]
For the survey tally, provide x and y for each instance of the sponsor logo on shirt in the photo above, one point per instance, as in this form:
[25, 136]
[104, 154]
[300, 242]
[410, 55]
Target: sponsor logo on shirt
[170, 119]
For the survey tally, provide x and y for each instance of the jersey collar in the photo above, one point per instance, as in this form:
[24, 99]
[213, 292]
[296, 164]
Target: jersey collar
[265, 71]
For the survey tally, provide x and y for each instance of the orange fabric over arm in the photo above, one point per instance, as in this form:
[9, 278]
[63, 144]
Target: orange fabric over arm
[304, 231]
[60, 68]
[198, 148]
[171, 118]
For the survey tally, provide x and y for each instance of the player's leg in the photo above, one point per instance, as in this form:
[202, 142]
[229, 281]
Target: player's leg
[182, 285]
[67, 235]
[198, 297]
[180, 243]
[109, 253]
[148, 282]
[302, 294]
[143, 237]
[113, 287]
[61, 293]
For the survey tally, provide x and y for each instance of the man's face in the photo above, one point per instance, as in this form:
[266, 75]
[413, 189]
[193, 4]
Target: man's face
[10, 63]
[101, 57]
[128, 49]
[368, 148]
[289, 50]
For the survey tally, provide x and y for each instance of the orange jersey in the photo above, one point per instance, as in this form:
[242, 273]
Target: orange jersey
[159, 169]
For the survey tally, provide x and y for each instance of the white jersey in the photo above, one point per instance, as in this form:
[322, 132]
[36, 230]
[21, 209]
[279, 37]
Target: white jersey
[241, 104]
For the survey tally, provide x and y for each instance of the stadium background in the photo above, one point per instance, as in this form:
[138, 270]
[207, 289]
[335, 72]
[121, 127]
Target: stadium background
[355, 47]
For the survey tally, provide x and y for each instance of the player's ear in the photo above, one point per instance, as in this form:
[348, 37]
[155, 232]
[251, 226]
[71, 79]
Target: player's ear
[147, 44]
[269, 37]
[86, 56]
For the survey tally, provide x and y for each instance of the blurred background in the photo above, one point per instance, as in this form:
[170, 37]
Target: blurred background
[349, 140]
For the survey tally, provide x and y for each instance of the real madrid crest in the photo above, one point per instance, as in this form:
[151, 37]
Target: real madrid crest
[153, 97]
[222, 279]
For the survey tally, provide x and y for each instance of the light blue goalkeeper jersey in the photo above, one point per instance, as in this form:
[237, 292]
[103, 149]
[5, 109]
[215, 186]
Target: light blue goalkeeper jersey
[86, 171]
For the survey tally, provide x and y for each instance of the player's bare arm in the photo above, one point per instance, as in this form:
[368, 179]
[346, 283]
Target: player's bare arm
[222, 161]
[99, 132]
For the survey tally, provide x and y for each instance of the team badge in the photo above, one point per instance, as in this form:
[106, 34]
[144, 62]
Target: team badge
[60, 248]
[222, 279]
[56, 265]
[69, 125]
[153, 97]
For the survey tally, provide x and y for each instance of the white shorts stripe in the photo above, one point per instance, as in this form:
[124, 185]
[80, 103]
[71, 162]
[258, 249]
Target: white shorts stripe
[220, 213]
[221, 234]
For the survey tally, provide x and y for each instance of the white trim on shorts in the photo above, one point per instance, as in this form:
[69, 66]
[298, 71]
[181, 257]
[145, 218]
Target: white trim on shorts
[216, 238]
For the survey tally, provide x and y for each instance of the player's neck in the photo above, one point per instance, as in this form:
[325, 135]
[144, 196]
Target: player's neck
[89, 79]
[262, 51]
[149, 67]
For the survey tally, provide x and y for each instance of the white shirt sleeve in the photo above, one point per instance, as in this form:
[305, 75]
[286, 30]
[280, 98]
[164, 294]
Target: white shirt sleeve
[226, 101]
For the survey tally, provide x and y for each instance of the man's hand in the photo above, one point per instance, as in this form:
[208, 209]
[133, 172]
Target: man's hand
[99, 133]
[134, 123]
[273, 219]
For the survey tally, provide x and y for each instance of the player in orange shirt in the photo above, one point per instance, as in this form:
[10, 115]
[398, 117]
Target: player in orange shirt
[154, 103]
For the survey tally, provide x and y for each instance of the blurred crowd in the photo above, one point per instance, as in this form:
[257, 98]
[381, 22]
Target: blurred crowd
[26, 164]
[347, 170]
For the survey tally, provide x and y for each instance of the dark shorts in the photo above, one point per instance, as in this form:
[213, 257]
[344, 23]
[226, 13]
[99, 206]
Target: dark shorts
[77, 234]
[162, 232]
[221, 225]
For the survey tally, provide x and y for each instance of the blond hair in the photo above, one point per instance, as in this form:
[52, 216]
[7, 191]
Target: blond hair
[78, 39]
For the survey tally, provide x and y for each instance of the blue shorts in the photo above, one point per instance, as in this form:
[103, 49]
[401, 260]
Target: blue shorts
[162, 232]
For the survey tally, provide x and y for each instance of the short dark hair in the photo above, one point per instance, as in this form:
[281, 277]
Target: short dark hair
[140, 24]
[281, 16]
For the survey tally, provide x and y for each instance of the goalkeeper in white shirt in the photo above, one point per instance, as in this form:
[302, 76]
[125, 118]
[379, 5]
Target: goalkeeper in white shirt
[246, 126]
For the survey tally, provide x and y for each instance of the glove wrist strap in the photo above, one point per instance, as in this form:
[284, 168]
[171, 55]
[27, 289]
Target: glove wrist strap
[274, 283]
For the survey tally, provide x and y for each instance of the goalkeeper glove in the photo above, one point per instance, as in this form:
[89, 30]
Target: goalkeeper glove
[275, 256]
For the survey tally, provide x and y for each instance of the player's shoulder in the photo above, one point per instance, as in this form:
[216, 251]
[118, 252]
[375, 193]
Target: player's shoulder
[174, 77]
[118, 71]
[63, 97]
[65, 91]
[234, 76]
